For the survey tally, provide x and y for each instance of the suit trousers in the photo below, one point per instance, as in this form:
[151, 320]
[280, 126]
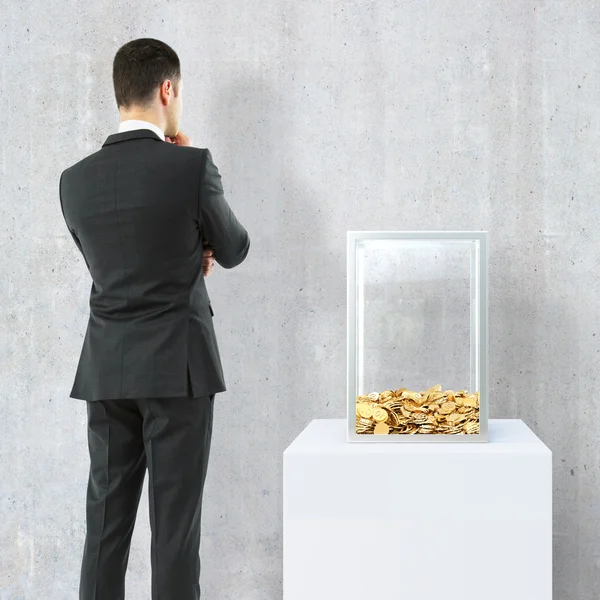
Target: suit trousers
[170, 437]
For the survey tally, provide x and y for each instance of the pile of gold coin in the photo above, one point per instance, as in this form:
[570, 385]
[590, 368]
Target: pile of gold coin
[429, 411]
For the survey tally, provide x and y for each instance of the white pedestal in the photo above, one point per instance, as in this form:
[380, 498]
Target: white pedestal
[419, 521]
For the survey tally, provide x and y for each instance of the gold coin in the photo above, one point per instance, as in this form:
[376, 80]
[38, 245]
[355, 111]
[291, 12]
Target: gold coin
[435, 388]
[471, 427]
[471, 400]
[365, 410]
[393, 419]
[413, 406]
[405, 412]
[447, 408]
[373, 396]
[425, 428]
[455, 418]
[364, 425]
[393, 405]
[419, 418]
[382, 428]
[380, 414]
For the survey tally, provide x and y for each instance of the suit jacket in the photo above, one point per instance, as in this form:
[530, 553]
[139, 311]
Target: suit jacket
[139, 210]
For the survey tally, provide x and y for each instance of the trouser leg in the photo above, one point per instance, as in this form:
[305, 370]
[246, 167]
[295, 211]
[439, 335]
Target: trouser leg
[117, 469]
[177, 436]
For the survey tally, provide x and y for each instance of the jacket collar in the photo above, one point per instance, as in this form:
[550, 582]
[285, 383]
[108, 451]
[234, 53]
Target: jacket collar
[133, 134]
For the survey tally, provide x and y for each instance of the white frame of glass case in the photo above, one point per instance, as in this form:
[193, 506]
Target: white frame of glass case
[479, 351]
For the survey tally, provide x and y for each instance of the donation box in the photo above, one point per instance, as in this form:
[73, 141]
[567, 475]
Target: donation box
[417, 336]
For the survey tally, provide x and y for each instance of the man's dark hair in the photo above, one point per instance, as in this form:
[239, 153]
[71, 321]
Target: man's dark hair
[139, 67]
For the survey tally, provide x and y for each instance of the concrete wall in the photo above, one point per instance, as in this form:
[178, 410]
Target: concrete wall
[322, 117]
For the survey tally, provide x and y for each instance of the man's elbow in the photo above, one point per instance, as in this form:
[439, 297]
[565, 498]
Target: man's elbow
[233, 259]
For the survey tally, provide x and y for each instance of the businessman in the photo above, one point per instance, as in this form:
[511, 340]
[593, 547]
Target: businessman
[148, 214]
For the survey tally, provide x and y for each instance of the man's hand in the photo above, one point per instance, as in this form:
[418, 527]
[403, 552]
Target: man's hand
[179, 140]
[208, 262]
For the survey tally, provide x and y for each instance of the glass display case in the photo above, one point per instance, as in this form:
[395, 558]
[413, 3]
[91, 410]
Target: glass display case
[417, 336]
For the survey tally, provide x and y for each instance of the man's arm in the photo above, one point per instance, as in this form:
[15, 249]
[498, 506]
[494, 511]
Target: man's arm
[75, 238]
[219, 227]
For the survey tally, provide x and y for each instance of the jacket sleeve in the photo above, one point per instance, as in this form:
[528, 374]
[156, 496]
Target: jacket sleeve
[73, 235]
[219, 227]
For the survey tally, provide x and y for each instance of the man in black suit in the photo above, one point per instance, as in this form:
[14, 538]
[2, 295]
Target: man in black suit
[148, 214]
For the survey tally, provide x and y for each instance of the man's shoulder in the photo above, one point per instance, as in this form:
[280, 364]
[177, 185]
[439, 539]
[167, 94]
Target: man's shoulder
[190, 150]
[81, 163]
[192, 153]
[188, 156]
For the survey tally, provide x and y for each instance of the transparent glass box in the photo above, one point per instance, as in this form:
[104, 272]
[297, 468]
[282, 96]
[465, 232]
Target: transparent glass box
[417, 343]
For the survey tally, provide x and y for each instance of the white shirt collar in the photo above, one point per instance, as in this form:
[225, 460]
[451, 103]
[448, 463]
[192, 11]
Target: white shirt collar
[130, 124]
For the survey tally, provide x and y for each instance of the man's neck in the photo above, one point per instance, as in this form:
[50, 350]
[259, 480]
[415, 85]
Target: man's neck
[136, 121]
[141, 117]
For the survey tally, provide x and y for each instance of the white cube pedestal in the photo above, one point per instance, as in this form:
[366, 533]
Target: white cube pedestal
[419, 521]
